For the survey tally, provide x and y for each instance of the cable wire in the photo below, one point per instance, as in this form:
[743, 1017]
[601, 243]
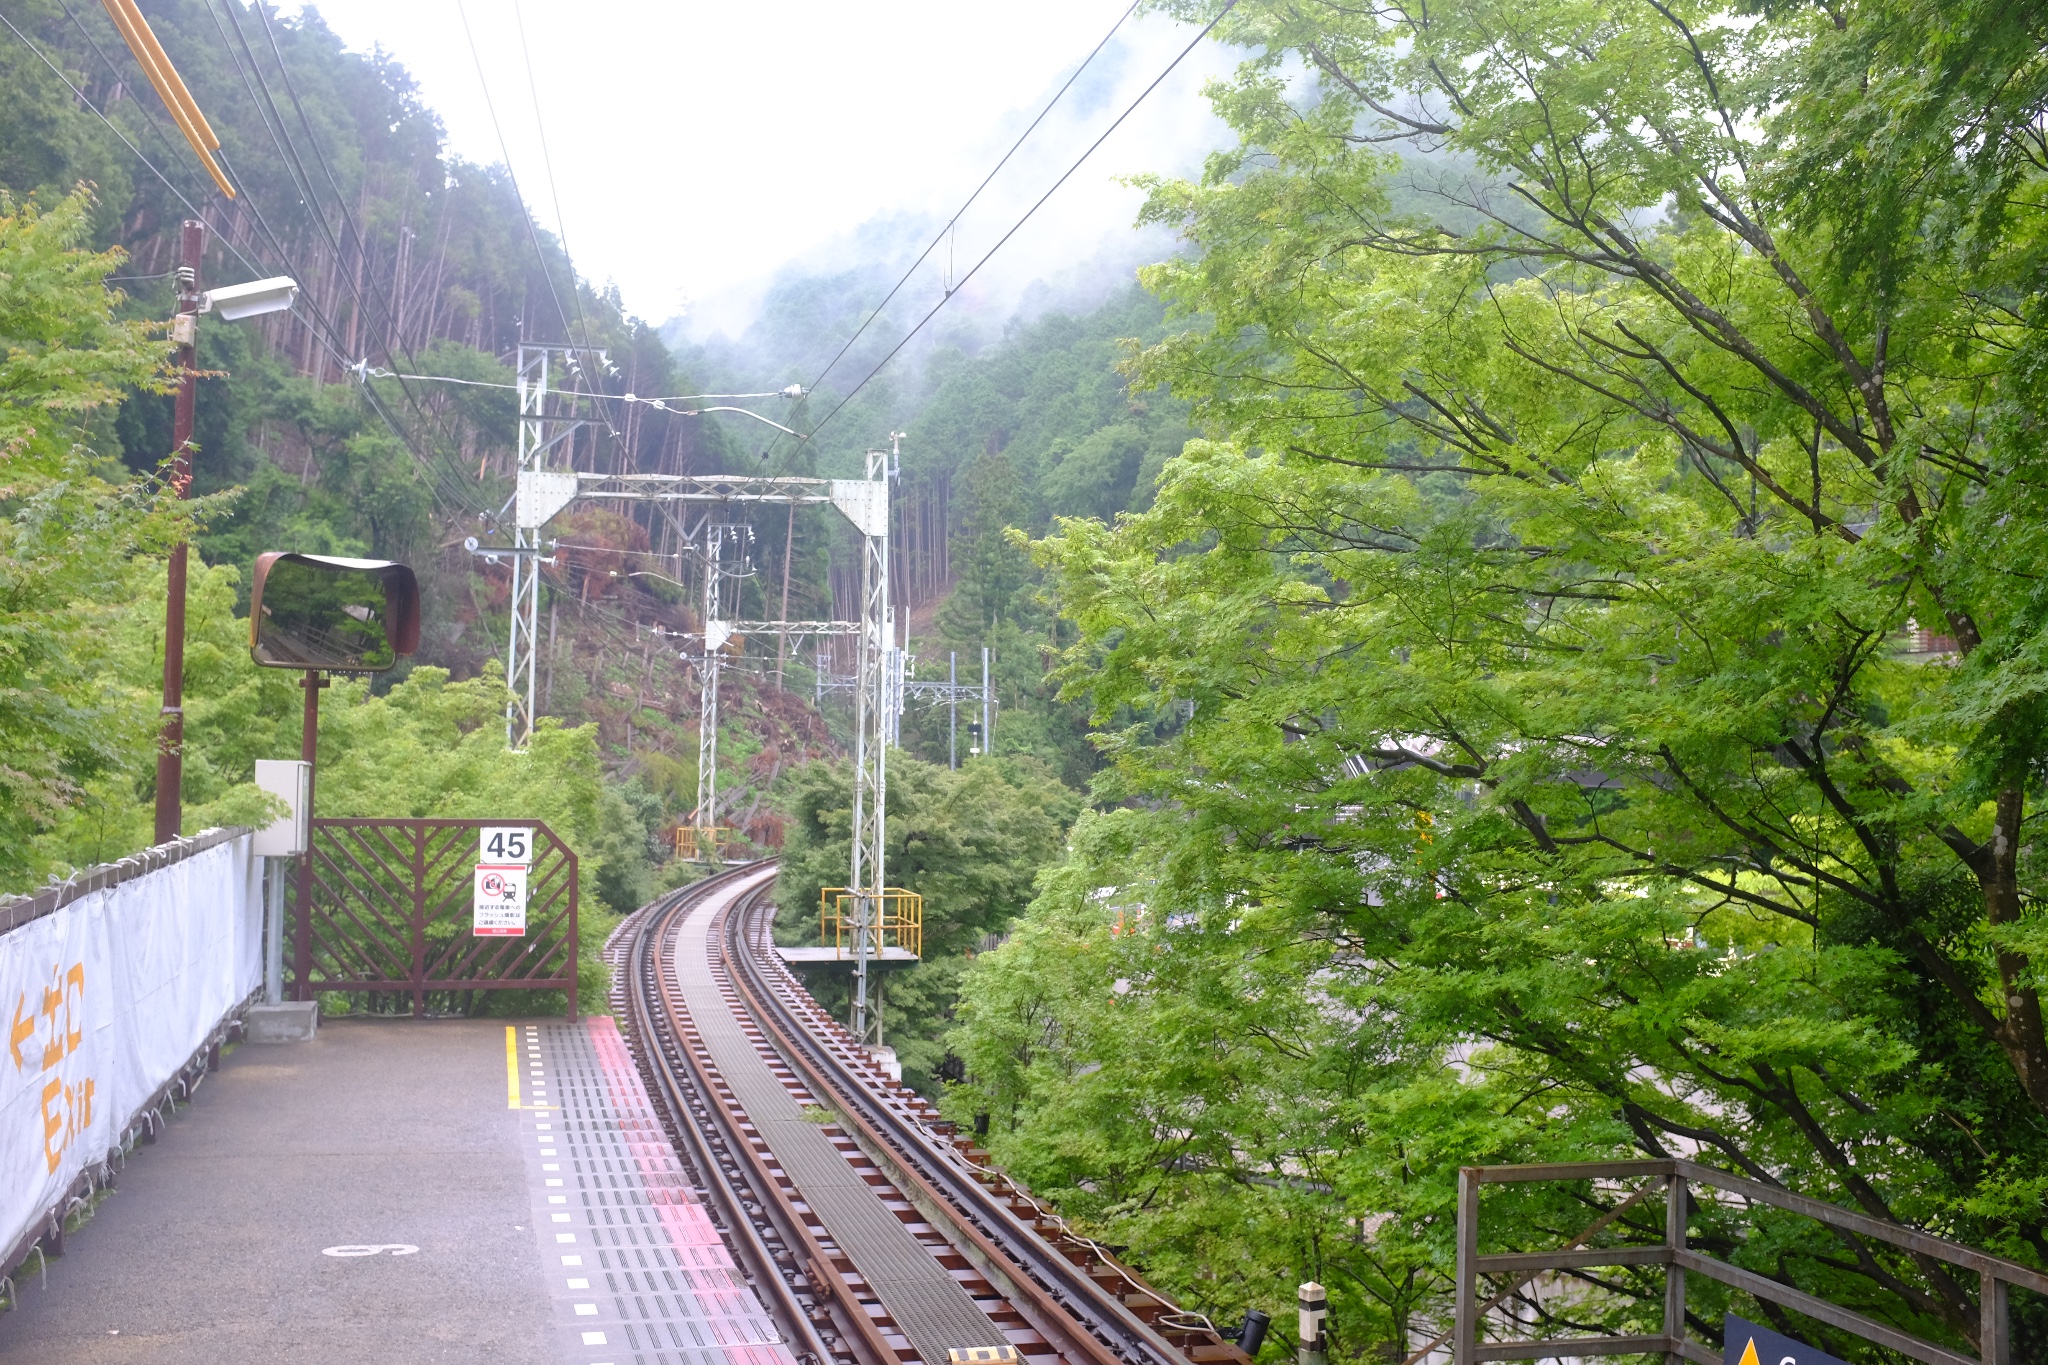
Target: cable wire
[955, 219]
[190, 207]
[1207, 29]
[532, 233]
[547, 162]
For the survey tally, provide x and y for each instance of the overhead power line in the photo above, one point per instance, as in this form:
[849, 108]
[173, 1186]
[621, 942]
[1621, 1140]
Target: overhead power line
[532, 233]
[952, 222]
[95, 111]
[1156, 80]
[547, 162]
[170, 87]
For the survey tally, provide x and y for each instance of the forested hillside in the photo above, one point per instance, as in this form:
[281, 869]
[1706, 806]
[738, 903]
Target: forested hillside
[329, 429]
[411, 262]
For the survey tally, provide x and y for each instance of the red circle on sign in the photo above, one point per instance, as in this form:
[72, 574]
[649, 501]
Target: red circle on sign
[495, 885]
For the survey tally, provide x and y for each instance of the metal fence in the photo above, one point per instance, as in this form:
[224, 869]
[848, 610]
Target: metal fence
[390, 911]
[1995, 1274]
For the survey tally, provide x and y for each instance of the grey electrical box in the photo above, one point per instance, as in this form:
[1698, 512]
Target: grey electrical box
[292, 779]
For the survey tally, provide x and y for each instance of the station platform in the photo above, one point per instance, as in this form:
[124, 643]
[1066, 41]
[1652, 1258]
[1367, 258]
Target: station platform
[398, 1190]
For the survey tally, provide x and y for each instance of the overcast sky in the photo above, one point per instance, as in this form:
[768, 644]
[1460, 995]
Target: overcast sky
[696, 146]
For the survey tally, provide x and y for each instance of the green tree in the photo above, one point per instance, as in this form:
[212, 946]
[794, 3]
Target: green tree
[1608, 623]
[70, 517]
[970, 841]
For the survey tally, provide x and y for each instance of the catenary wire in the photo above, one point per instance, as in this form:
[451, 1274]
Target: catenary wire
[953, 222]
[1040, 202]
[450, 490]
[532, 233]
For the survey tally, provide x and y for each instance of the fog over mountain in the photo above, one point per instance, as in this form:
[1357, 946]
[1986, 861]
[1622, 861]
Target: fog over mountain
[1080, 247]
[805, 140]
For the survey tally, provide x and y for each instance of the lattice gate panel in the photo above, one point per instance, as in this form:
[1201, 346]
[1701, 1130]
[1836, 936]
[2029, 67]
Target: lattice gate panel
[391, 911]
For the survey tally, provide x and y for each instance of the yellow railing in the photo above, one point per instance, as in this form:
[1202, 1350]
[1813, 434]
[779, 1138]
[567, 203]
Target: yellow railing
[900, 923]
[695, 844]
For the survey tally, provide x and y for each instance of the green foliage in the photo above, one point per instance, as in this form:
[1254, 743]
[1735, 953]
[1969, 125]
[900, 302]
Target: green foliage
[1058, 432]
[969, 841]
[1561, 775]
[409, 259]
[1079, 440]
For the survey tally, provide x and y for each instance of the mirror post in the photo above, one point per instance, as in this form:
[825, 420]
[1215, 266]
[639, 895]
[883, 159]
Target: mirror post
[170, 753]
[302, 937]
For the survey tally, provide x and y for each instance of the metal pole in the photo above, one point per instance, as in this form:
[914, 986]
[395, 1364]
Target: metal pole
[170, 753]
[273, 930]
[1674, 1274]
[707, 703]
[520, 650]
[1465, 1335]
[870, 747]
[1995, 1322]
[309, 738]
[952, 708]
[1312, 1302]
[988, 734]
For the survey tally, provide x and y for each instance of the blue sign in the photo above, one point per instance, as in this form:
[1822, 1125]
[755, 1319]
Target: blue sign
[1749, 1344]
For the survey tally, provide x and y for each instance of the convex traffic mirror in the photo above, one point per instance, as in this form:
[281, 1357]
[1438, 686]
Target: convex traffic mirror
[341, 615]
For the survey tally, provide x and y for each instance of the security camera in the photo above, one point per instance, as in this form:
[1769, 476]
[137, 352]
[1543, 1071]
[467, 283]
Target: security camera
[249, 300]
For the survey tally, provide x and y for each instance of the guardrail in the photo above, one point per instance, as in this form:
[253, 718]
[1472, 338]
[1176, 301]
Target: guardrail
[1995, 1273]
[117, 989]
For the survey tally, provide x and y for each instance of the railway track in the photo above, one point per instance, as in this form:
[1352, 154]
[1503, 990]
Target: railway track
[900, 1243]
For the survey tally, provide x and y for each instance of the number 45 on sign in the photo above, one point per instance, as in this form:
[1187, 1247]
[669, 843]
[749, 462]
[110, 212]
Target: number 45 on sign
[499, 844]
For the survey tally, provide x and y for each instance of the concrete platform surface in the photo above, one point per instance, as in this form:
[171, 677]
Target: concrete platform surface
[398, 1191]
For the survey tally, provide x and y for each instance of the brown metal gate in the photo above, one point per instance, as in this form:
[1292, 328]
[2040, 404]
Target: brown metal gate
[391, 911]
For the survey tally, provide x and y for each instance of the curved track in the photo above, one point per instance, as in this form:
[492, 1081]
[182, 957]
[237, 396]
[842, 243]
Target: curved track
[801, 1236]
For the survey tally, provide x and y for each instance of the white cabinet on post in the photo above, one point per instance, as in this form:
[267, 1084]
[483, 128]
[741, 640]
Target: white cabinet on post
[288, 836]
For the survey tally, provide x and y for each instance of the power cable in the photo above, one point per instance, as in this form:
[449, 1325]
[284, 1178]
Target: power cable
[340, 201]
[151, 166]
[547, 162]
[449, 490]
[1207, 29]
[532, 232]
[313, 315]
[955, 219]
[142, 106]
[191, 208]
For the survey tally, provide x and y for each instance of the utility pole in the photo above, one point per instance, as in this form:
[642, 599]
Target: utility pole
[867, 881]
[549, 414]
[309, 753]
[716, 633]
[988, 719]
[170, 751]
[952, 708]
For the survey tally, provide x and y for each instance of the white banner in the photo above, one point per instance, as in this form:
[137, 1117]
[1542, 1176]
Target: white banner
[102, 1002]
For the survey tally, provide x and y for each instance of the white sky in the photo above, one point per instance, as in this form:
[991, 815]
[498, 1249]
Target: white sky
[697, 147]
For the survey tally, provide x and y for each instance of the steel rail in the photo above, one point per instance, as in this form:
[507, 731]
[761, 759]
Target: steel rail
[1072, 1291]
[774, 1248]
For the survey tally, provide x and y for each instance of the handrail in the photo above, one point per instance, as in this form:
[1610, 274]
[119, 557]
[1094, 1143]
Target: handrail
[1996, 1273]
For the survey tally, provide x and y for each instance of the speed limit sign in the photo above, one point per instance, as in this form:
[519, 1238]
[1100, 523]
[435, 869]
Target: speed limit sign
[504, 844]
